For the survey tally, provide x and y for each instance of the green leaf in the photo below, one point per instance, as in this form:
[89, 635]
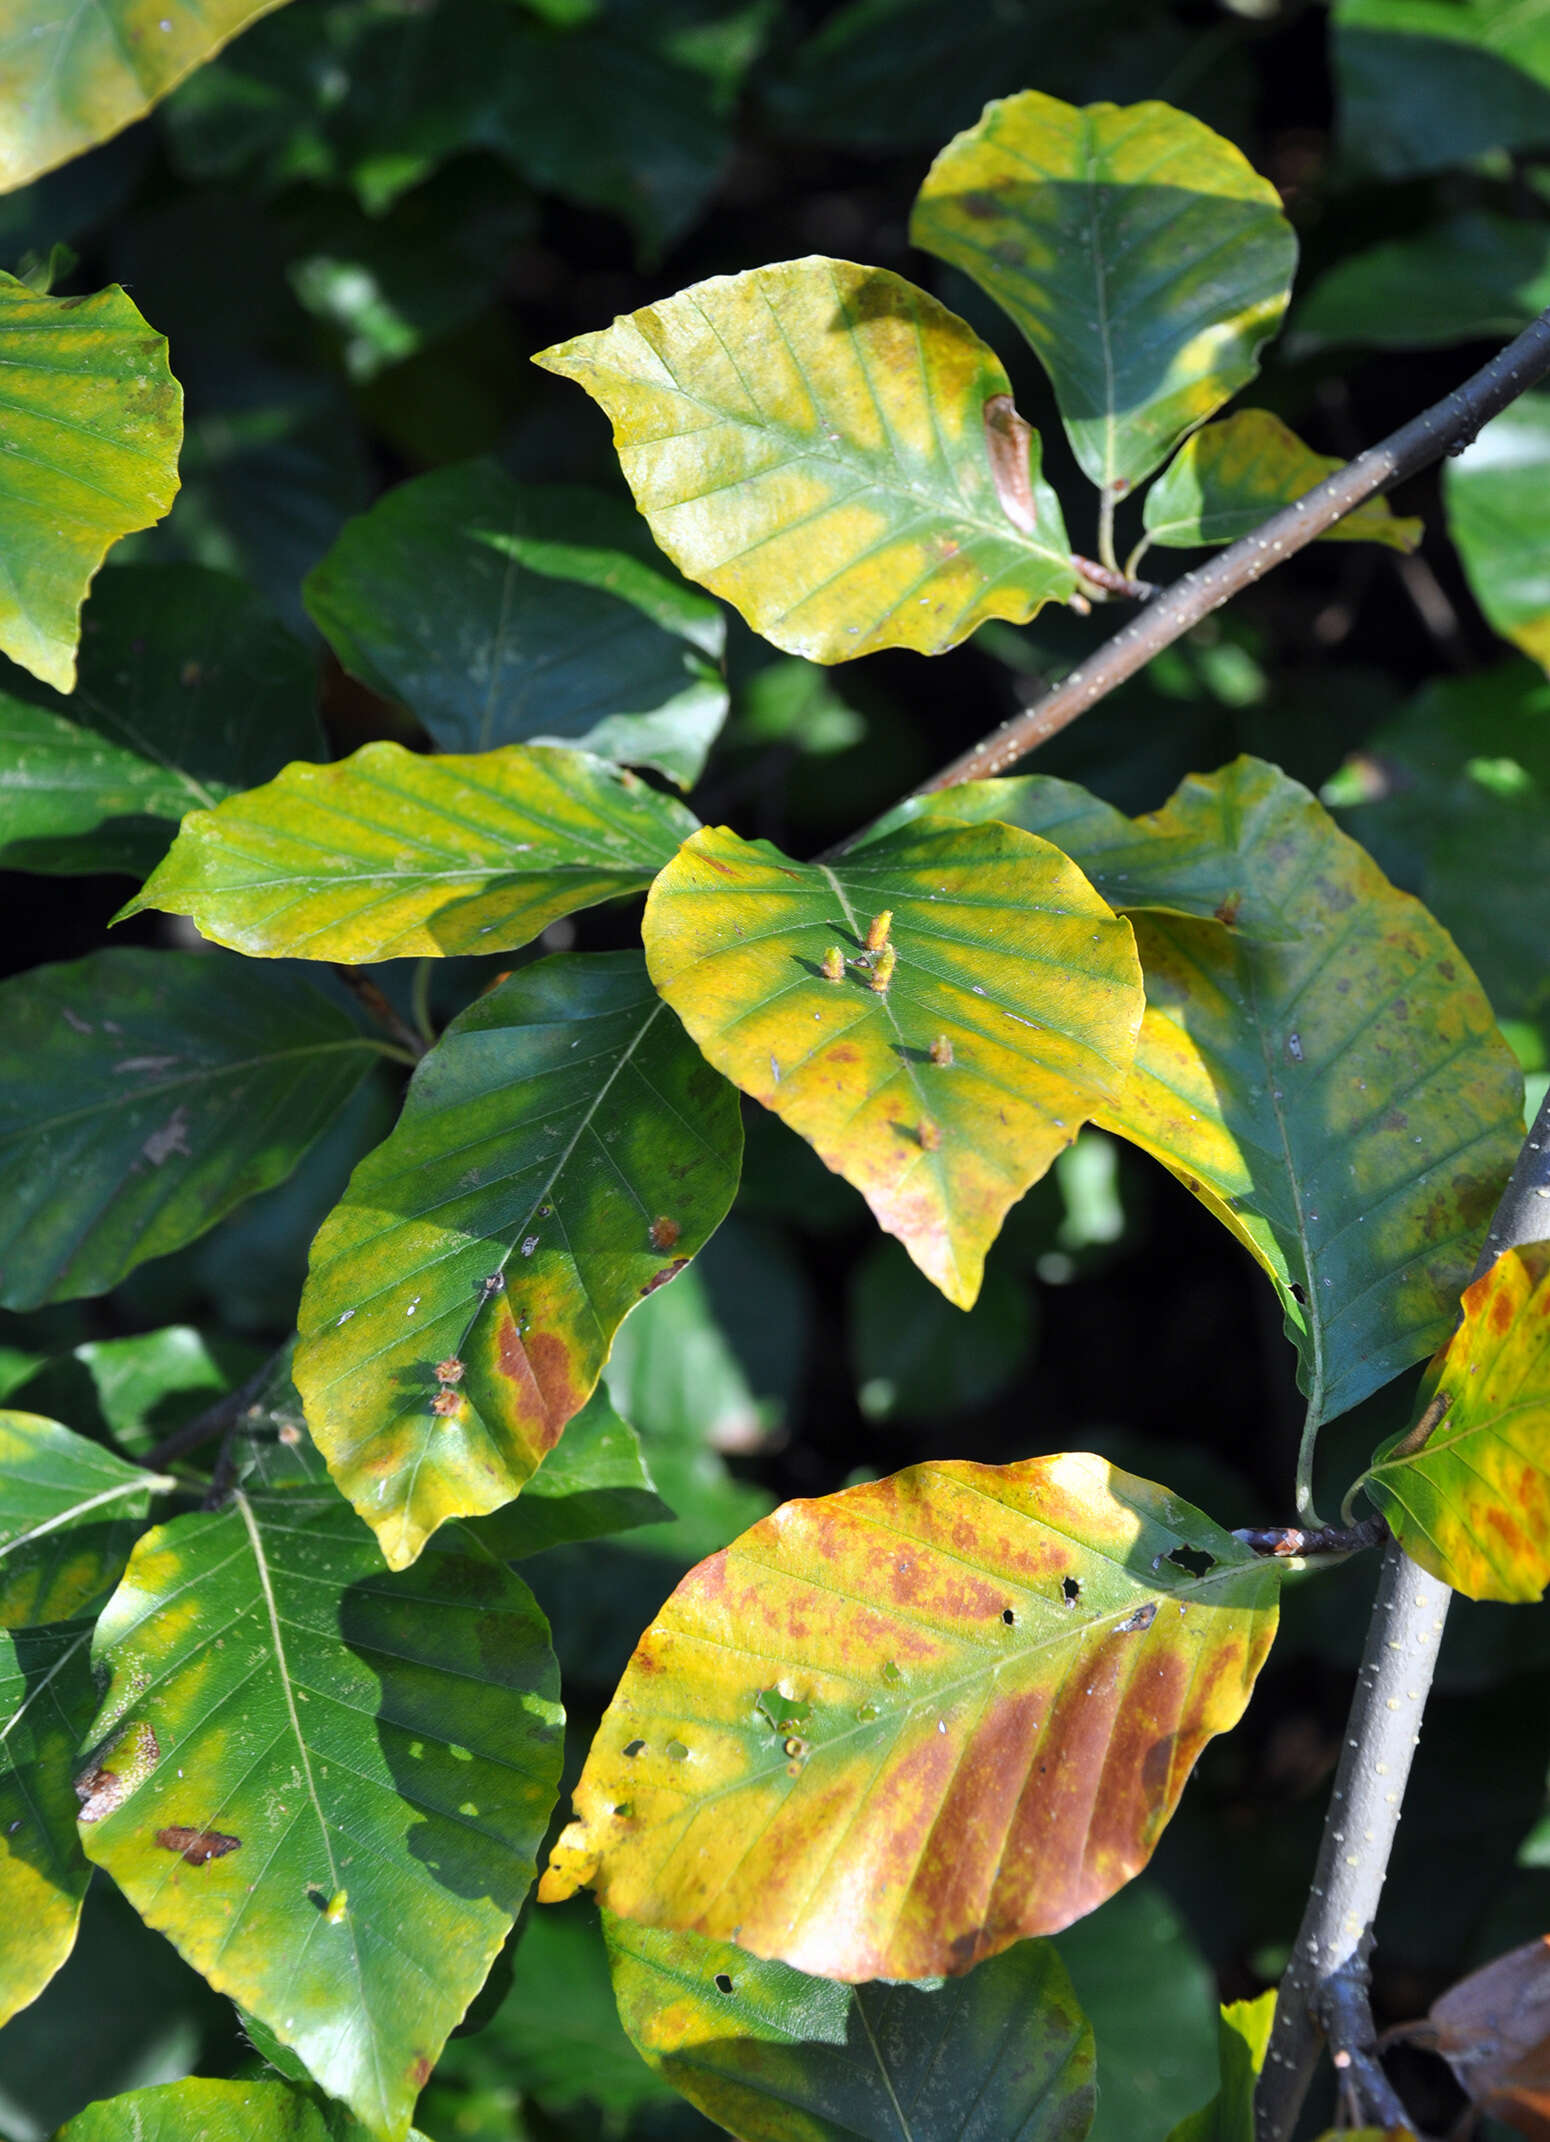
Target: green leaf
[1466, 1486]
[188, 689]
[594, 1482]
[1230, 477]
[389, 855]
[1494, 495]
[336, 1779]
[142, 1095]
[1009, 968]
[136, 1390]
[832, 451]
[71, 80]
[562, 1151]
[94, 419]
[1139, 252]
[197, 2110]
[1344, 1104]
[869, 1736]
[913, 1358]
[503, 613]
[1244, 2040]
[1182, 861]
[1005, 2055]
[1422, 84]
[1460, 280]
[69, 1513]
[47, 1697]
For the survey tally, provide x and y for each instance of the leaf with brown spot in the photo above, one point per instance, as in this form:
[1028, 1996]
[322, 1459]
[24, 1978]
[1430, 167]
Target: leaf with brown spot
[998, 946]
[560, 1128]
[1471, 1502]
[964, 1782]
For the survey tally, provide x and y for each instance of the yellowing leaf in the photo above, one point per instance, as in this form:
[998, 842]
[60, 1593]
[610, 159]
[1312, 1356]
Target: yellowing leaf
[1139, 252]
[835, 453]
[1466, 1488]
[1243, 2041]
[68, 1512]
[47, 1697]
[389, 853]
[93, 422]
[889, 1733]
[1228, 478]
[1004, 2055]
[941, 1071]
[562, 1151]
[1344, 1102]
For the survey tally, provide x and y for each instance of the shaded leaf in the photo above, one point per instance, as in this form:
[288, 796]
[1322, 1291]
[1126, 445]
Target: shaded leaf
[819, 443]
[145, 1094]
[889, 1733]
[1139, 252]
[562, 1150]
[336, 1778]
[1466, 1487]
[1344, 1103]
[1008, 966]
[188, 689]
[69, 1513]
[389, 854]
[1493, 2029]
[1458, 280]
[72, 80]
[1423, 84]
[135, 1390]
[1005, 2055]
[1244, 2040]
[1183, 860]
[914, 1358]
[47, 1697]
[594, 1482]
[504, 613]
[1494, 493]
[94, 419]
[197, 2110]
[1230, 477]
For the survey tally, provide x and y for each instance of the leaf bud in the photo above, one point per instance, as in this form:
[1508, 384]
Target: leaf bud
[834, 965]
[877, 933]
[882, 969]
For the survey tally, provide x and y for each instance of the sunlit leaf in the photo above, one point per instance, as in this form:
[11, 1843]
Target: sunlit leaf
[1004, 2055]
[69, 1512]
[1466, 1487]
[1230, 477]
[504, 613]
[1494, 493]
[1139, 252]
[889, 1733]
[1463, 279]
[941, 1072]
[389, 854]
[1186, 860]
[188, 689]
[1422, 84]
[593, 1483]
[197, 2110]
[832, 451]
[1344, 1103]
[324, 1783]
[70, 79]
[1244, 2040]
[142, 1095]
[562, 1151]
[47, 1697]
[93, 423]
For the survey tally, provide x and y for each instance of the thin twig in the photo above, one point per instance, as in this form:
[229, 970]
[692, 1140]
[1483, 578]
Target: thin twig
[1328, 1974]
[1285, 1540]
[1108, 580]
[1447, 427]
[215, 1420]
[366, 993]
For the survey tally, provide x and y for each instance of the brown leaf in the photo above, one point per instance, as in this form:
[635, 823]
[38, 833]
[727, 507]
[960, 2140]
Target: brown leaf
[1493, 2029]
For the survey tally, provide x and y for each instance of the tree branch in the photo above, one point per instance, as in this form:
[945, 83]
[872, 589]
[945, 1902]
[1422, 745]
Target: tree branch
[1324, 1990]
[1446, 428]
[370, 997]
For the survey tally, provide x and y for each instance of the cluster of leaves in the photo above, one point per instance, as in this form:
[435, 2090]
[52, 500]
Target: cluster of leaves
[880, 1746]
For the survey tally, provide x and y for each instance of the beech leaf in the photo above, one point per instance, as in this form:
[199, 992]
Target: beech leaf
[563, 1150]
[1227, 479]
[1243, 2041]
[833, 452]
[1004, 2055]
[1344, 1103]
[69, 1512]
[1139, 252]
[937, 1014]
[1494, 494]
[1466, 1487]
[889, 1733]
[1493, 2029]
[47, 1698]
[389, 854]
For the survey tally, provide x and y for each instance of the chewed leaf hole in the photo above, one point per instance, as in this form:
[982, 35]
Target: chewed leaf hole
[634, 1747]
[1071, 1590]
[723, 1982]
[1299, 1294]
[1193, 1559]
[1009, 1617]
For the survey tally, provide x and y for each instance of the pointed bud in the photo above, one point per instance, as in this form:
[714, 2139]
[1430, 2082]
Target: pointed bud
[877, 935]
[941, 1050]
[882, 968]
[834, 965]
[929, 1134]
